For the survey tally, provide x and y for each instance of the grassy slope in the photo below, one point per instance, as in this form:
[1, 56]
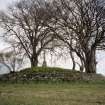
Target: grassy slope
[52, 94]
[50, 74]
[43, 73]
[46, 70]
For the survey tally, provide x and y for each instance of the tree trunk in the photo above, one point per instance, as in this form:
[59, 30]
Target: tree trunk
[34, 61]
[90, 63]
[73, 61]
[82, 65]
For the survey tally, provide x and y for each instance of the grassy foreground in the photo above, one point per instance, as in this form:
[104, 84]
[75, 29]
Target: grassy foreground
[80, 93]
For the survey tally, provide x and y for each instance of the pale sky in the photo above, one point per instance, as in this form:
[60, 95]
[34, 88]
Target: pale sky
[61, 63]
[5, 3]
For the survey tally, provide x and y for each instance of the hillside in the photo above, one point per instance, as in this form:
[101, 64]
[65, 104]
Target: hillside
[46, 86]
[50, 74]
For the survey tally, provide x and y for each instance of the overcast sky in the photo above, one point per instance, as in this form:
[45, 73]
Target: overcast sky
[5, 3]
[65, 64]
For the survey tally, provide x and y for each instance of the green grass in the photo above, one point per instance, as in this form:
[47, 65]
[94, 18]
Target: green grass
[78, 93]
[42, 74]
[51, 91]
[45, 69]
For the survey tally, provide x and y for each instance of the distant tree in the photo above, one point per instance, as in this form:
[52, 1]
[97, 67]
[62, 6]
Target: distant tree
[25, 26]
[11, 60]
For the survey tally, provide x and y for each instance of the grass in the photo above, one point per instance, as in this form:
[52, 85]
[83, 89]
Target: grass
[77, 93]
[42, 73]
[44, 70]
[53, 91]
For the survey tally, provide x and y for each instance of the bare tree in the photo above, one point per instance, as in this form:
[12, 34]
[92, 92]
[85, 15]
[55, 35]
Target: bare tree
[11, 60]
[81, 25]
[25, 26]
[64, 35]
